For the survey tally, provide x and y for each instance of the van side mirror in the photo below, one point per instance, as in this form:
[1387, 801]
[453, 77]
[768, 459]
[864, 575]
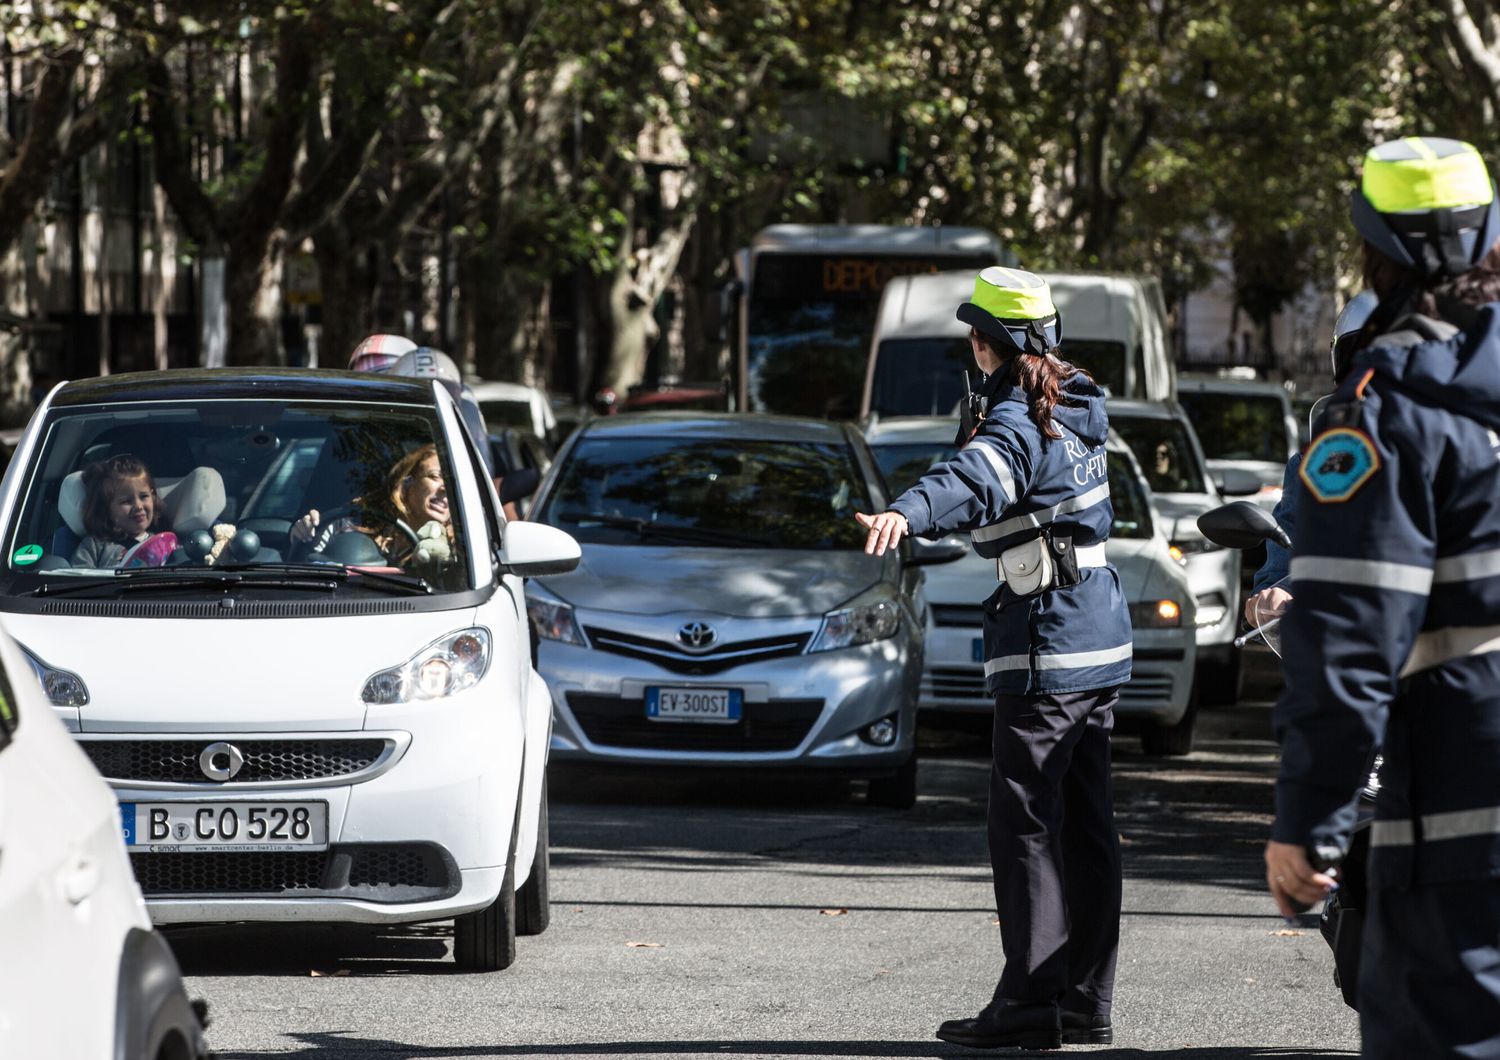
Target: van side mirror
[534, 550]
[1241, 524]
[518, 485]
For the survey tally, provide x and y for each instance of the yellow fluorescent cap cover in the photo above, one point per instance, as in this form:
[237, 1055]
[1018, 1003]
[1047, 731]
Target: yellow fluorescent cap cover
[1012, 294]
[1426, 183]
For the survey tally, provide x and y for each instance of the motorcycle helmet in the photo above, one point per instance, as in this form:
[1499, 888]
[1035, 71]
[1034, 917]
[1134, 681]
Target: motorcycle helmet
[424, 362]
[378, 352]
[1015, 307]
[1350, 323]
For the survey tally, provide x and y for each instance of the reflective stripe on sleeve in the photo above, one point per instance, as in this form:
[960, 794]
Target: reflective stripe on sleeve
[1467, 567]
[1075, 660]
[1370, 573]
[998, 464]
[1456, 824]
[1035, 520]
[1437, 646]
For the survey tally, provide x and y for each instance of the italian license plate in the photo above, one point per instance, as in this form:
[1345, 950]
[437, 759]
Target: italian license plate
[979, 649]
[693, 704]
[242, 826]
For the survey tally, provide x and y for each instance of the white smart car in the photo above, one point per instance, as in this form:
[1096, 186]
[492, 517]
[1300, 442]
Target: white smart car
[82, 974]
[1159, 699]
[305, 717]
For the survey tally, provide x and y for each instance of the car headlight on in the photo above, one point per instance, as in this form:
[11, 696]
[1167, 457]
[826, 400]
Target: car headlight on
[1156, 614]
[552, 619]
[869, 617]
[63, 687]
[1192, 546]
[1212, 609]
[447, 665]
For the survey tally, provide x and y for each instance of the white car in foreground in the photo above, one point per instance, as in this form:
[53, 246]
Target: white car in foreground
[342, 729]
[82, 974]
[1159, 698]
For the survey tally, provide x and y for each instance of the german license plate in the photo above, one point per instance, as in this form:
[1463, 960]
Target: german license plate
[979, 649]
[242, 826]
[693, 704]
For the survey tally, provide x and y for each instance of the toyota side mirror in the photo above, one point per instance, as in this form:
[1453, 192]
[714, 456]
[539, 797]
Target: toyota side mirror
[1241, 524]
[944, 550]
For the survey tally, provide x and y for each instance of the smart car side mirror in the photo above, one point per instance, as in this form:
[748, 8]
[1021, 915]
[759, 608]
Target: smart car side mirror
[532, 550]
[1241, 524]
[518, 485]
[945, 550]
[1237, 482]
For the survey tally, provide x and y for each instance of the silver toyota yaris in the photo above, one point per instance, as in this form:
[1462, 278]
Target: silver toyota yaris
[725, 612]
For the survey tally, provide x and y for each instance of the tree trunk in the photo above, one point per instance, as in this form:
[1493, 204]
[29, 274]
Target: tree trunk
[634, 330]
[348, 290]
[15, 343]
[252, 298]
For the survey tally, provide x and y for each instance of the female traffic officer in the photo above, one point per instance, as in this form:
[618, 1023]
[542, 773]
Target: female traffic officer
[1030, 485]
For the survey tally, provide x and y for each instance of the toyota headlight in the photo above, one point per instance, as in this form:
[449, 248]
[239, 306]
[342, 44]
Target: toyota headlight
[551, 618]
[63, 687]
[872, 616]
[448, 665]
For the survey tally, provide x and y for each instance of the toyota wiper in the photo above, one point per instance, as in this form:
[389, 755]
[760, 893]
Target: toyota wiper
[644, 528]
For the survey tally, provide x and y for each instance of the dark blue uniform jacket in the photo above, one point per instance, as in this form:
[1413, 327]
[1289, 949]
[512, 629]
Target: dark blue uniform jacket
[1394, 630]
[1005, 485]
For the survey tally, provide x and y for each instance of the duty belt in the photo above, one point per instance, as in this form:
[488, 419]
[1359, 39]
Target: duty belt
[1046, 562]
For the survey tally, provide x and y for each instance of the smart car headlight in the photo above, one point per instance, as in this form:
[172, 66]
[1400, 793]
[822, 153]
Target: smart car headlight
[871, 616]
[551, 618]
[447, 665]
[63, 687]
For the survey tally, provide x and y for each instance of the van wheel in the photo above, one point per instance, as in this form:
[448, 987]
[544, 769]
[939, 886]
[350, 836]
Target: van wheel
[1173, 741]
[485, 941]
[533, 908]
[897, 792]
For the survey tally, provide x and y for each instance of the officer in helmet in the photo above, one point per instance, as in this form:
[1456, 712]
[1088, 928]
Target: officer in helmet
[424, 362]
[1030, 485]
[1393, 634]
[378, 352]
[1270, 596]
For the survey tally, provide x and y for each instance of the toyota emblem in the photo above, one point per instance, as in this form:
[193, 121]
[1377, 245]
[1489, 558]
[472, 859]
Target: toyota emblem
[221, 761]
[697, 634]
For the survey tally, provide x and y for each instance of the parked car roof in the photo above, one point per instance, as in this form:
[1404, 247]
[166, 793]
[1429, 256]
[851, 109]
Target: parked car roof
[733, 425]
[231, 383]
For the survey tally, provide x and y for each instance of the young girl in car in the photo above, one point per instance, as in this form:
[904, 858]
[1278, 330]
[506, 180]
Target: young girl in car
[120, 510]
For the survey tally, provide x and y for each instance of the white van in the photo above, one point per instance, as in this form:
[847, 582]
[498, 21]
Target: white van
[1113, 326]
[282, 614]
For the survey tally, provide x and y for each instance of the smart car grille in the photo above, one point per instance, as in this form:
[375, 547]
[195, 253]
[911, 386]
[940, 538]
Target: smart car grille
[955, 683]
[965, 615]
[176, 761]
[610, 721]
[378, 872]
[720, 657]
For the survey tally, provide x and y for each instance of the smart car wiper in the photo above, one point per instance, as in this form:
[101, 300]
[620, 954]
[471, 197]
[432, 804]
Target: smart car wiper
[336, 572]
[144, 578]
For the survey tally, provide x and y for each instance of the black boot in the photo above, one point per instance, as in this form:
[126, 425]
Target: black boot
[1084, 1028]
[1017, 1023]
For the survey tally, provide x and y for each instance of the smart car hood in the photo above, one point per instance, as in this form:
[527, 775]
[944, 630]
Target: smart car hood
[229, 675]
[748, 583]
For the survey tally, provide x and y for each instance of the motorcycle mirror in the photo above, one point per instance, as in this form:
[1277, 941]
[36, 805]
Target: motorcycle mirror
[1241, 524]
[519, 485]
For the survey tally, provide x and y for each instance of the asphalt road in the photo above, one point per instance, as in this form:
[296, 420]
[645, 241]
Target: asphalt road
[752, 917]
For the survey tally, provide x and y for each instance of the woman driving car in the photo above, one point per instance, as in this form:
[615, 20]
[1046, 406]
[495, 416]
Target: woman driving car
[409, 520]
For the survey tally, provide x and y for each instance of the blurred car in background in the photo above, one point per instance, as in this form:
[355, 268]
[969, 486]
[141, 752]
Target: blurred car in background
[82, 973]
[1159, 698]
[707, 397]
[1243, 425]
[1168, 452]
[725, 613]
[515, 405]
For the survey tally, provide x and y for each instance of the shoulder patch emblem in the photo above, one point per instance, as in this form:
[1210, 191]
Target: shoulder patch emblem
[1338, 463]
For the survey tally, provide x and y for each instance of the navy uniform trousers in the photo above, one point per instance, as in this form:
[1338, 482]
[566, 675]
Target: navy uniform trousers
[1054, 849]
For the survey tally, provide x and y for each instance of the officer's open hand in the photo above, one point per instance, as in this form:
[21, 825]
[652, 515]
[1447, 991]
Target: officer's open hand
[885, 531]
[1294, 883]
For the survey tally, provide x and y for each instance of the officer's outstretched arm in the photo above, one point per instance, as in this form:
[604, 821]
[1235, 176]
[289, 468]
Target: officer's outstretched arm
[974, 487]
[1360, 579]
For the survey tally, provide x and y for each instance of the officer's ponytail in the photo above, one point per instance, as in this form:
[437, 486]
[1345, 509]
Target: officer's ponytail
[1041, 378]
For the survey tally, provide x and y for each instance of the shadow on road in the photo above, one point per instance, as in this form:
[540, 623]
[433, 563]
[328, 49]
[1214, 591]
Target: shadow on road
[336, 1045]
[306, 950]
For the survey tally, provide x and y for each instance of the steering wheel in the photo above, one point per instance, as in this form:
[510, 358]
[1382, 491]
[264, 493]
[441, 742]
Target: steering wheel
[334, 514]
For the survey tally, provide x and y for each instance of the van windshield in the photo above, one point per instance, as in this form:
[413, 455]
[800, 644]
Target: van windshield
[920, 377]
[1239, 426]
[184, 494]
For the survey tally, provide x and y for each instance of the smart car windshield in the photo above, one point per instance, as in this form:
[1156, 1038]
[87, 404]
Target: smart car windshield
[709, 492]
[337, 496]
